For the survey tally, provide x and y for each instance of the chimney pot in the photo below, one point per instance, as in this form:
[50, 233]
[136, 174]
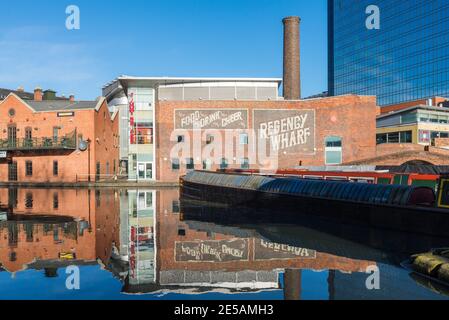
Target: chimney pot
[38, 94]
[292, 59]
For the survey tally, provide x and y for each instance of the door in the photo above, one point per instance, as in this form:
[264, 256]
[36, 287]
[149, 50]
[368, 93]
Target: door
[12, 136]
[12, 171]
[145, 170]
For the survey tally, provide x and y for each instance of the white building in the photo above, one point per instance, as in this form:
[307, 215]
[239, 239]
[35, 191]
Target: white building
[136, 99]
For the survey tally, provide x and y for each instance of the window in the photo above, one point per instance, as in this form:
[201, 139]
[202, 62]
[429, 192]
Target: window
[207, 164]
[12, 135]
[244, 163]
[209, 139]
[175, 164]
[144, 132]
[181, 232]
[55, 134]
[29, 168]
[176, 207]
[333, 151]
[28, 133]
[243, 138]
[381, 138]
[224, 164]
[97, 171]
[180, 139]
[190, 165]
[55, 200]
[395, 137]
[55, 168]
[29, 200]
[12, 171]
[409, 118]
[406, 137]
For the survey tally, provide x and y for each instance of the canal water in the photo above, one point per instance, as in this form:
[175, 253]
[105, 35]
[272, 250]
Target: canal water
[148, 244]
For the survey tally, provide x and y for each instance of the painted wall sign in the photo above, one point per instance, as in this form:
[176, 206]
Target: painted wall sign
[3, 154]
[265, 250]
[211, 119]
[212, 251]
[286, 130]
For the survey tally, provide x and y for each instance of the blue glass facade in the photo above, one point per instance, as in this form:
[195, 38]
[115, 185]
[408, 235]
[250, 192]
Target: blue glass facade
[406, 59]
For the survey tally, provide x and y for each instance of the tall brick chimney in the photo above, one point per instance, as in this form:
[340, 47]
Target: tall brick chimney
[292, 60]
[38, 94]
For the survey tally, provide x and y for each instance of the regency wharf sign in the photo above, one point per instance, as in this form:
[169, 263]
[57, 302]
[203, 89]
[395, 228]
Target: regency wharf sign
[222, 119]
[266, 250]
[212, 251]
[286, 130]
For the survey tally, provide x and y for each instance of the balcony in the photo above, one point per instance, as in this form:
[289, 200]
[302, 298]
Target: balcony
[36, 144]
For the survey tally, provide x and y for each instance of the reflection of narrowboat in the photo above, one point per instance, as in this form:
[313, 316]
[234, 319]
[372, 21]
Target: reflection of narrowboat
[399, 207]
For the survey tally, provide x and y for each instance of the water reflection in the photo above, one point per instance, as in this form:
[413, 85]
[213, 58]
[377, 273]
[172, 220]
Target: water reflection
[147, 244]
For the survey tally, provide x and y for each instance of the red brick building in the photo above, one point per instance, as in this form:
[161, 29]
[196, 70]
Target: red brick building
[335, 130]
[46, 140]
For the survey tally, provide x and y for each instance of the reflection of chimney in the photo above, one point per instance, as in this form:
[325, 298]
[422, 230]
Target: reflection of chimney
[292, 72]
[38, 94]
[72, 98]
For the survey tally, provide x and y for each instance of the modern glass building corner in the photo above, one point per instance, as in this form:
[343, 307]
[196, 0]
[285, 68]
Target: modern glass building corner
[406, 59]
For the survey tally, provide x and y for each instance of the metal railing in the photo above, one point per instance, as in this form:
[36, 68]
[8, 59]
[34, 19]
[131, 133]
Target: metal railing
[66, 143]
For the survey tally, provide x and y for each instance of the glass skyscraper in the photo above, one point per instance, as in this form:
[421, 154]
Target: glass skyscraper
[406, 59]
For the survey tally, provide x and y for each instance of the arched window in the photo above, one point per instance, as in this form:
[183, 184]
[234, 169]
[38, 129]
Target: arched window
[333, 151]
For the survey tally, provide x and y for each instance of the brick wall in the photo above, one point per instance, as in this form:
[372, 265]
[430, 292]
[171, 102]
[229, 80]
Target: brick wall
[88, 123]
[353, 118]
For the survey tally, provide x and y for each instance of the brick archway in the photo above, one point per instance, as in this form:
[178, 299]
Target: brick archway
[417, 163]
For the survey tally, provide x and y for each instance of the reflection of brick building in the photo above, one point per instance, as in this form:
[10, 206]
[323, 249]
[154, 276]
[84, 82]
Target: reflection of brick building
[75, 224]
[40, 140]
[258, 267]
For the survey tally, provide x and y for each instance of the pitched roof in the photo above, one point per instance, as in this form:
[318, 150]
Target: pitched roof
[24, 95]
[41, 106]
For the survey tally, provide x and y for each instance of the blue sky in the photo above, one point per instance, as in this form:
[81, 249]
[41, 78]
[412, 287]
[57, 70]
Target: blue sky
[216, 38]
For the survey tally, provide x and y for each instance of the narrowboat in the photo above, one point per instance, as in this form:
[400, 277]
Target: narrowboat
[397, 207]
[372, 177]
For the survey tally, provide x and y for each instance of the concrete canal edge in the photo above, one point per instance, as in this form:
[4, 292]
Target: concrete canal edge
[125, 184]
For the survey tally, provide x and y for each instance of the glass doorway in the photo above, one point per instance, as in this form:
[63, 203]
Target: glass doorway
[145, 170]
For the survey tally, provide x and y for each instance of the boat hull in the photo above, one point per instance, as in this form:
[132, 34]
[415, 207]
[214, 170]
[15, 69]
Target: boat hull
[429, 221]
